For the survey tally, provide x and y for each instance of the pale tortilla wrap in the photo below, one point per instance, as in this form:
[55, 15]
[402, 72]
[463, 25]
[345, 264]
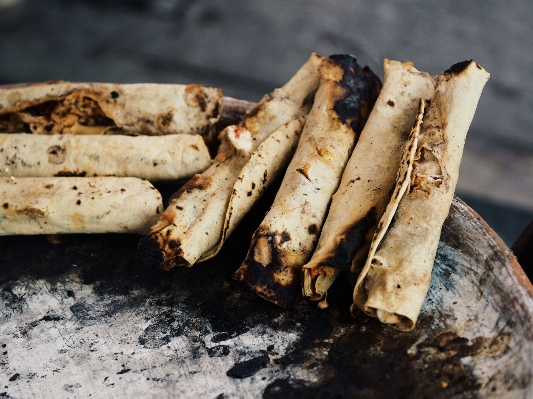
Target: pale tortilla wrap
[154, 158]
[286, 238]
[395, 279]
[97, 108]
[57, 205]
[368, 180]
[193, 223]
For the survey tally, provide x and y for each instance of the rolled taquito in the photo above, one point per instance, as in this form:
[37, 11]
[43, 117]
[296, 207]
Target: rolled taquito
[192, 225]
[154, 158]
[57, 205]
[97, 108]
[285, 239]
[368, 179]
[395, 279]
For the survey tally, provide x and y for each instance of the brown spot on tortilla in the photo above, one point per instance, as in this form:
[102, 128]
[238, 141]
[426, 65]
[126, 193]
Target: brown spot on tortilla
[390, 103]
[165, 119]
[304, 171]
[249, 193]
[78, 202]
[179, 207]
[74, 187]
[57, 154]
[31, 211]
[49, 186]
[155, 164]
[6, 205]
[195, 97]
[195, 147]
[197, 182]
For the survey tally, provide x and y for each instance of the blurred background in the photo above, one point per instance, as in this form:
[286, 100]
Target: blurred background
[250, 47]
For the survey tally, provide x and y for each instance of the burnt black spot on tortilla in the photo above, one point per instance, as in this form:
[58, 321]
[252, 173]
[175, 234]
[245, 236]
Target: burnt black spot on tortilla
[78, 202]
[360, 89]
[14, 377]
[312, 229]
[352, 239]
[249, 193]
[456, 69]
[218, 351]
[70, 294]
[123, 371]
[248, 367]
[66, 173]
[285, 236]
[165, 119]
[114, 94]
[173, 244]
[253, 185]
[149, 252]
[6, 205]
[49, 127]
[261, 280]
[390, 103]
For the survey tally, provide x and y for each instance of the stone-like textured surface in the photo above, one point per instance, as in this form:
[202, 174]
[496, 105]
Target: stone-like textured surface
[85, 318]
[250, 47]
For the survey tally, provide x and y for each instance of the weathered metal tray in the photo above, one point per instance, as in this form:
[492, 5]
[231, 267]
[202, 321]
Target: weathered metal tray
[84, 317]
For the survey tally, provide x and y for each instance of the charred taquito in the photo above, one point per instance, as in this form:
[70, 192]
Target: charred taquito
[286, 238]
[97, 108]
[395, 279]
[52, 205]
[192, 226]
[368, 179]
[155, 158]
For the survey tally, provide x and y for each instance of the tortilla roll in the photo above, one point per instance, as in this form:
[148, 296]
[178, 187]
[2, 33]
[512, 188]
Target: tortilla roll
[368, 180]
[192, 225]
[395, 279]
[54, 205]
[98, 108]
[286, 238]
[155, 158]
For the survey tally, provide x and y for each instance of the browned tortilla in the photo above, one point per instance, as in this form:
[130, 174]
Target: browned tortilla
[286, 238]
[97, 108]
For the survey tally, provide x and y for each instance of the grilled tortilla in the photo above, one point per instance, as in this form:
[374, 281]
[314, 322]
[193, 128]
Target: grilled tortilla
[194, 221]
[368, 179]
[285, 239]
[396, 276]
[97, 108]
[155, 158]
[40, 205]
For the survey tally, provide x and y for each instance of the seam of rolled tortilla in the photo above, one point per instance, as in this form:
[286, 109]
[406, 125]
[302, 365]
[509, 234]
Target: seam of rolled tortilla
[54, 205]
[396, 278]
[368, 179]
[194, 221]
[154, 158]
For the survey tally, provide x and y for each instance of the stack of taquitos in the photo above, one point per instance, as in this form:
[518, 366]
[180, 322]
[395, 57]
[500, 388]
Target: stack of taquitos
[285, 239]
[395, 279]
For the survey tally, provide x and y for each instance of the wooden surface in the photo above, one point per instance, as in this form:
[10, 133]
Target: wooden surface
[84, 317]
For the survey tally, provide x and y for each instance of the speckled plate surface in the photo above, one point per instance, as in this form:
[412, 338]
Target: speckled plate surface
[86, 318]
